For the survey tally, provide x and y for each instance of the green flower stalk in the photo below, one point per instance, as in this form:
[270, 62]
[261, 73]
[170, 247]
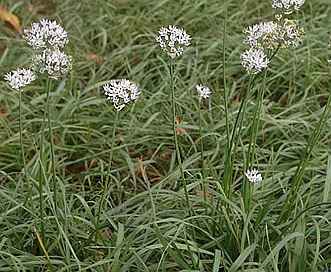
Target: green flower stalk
[17, 80]
[120, 93]
[47, 38]
[203, 93]
[173, 40]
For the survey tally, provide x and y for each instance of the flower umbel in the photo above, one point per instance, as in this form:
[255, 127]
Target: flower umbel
[253, 176]
[173, 40]
[271, 35]
[288, 6]
[254, 60]
[290, 33]
[121, 92]
[266, 37]
[203, 91]
[261, 34]
[20, 78]
[48, 37]
[46, 34]
[52, 61]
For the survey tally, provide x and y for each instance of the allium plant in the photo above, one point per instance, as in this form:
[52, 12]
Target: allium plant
[254, 60]
[261, 33]
[46, 34]
[253, 176]
[287, 6]
[290, 33]
[268, 37]
[203, 91]
[173, 40]
[264, 40]
[47, 38]
[19, 78]
[271, 35]
[53, 62]
[121, 92]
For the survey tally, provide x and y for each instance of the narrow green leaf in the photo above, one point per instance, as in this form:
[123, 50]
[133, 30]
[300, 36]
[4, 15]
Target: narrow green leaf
[278, 247]
[217, 260]
[241, 258]
[169, 249]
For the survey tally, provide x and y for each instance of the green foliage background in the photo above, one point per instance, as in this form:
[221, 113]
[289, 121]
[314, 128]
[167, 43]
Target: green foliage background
[145, 224]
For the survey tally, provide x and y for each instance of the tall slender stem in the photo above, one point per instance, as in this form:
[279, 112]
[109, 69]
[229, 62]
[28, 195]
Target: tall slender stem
[225, 91]
[21, 132]
[203, 167]
[106, 185]
[51, 140]
[254, 129]
[234, 141]
[225, 180]
[25, 172]
[41, 178]
[229, 140]
[179, 159]
[256, 122]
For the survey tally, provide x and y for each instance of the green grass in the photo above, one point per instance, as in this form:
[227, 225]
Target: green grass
[145, 223]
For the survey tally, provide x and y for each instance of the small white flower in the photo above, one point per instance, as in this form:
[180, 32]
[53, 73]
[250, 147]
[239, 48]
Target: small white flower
[253, 176]
[46, 34]
[288, 6]
[121, 92]
[173, 40]
[20, 78]
[52, 61]
[254, 60]
[203, 91]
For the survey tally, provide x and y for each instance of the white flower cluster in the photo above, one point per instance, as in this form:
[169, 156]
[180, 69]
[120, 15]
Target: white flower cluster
[290, 33]
[173, 40]
[254, 60]
[253, 176]
[287, 6]
[329, 60]
[271, 35]
[54, 62]
[20, 78]
[49, 37]
[203, 91]
[266, 36]
[121, 92]
[45, 34]
[262, 33]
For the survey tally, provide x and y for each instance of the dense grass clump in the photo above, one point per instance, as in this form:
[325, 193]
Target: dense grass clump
[160, 185]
